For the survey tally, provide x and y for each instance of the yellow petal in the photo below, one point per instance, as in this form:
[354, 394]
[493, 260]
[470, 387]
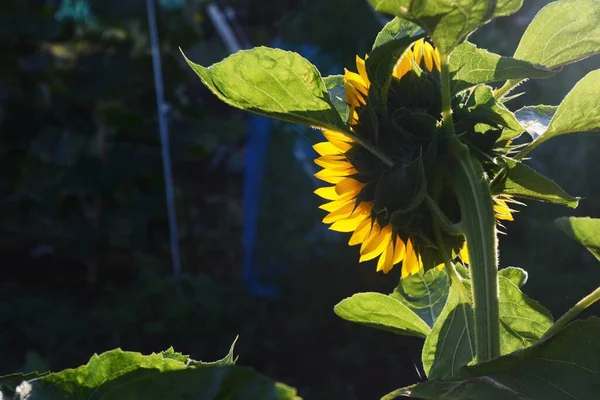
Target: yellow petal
[502, 211]
[403, 65]
[338, 163]
[353, 96]
[339, 214]
[412, 260]
[464, 254]
[335, 205]
[360, 66]
[376, 244]
[427, 54]
[436, 59]
[327, 149]
[356, 81]
[334, 177]
[399, 250]
[338, 140]
[360, 214]
[385, 262]
[327, 193]
[349, 187]
[418, 50]
[361, 232]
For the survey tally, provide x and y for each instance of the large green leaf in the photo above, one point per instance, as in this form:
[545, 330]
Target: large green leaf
[272, 82]
[523, 322]
[451, 343]
[566, 366]
[383, 312]
[470, 66]
[523, 181]
[562, 32]
[578, 112]
[393, 40]
[118, 374]
[449, 22]
[535, 119]
[583, 229]
[424, 293]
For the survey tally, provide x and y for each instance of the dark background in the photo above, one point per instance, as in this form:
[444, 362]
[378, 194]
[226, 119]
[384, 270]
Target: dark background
[84, 245]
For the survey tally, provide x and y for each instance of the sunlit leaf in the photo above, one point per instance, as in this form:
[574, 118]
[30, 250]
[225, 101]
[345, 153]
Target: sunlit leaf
[562, 32]
[470, 66]
[424, 293]
[397, 28]
[535, 119]
[337, 95]
[523, 181]
[449, 22]
[566, 366]
[382, 312]
[578, 112]
[583, 229]
[272, 82]
[451, 343]
[517, 276]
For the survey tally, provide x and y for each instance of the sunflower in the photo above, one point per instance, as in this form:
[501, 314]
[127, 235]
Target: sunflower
[379, 223]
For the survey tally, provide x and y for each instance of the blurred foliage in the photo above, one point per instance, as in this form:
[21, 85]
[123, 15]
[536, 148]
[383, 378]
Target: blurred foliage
[83, 230]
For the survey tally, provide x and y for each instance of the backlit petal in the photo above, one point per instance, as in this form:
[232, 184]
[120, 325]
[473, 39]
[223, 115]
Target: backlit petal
[376, 245]
[361, 232]
[427, 54]
[385, 262]
[327, 149]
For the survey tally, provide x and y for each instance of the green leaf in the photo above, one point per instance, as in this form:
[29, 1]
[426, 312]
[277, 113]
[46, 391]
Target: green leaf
[561, 33]
[382, 312]
[396, 29]
[523, 321]
[451, 343]
[578, 112]
[117, 374]
[424, 293]
[583, 229]
[566, 366]
[523, 181]
[389, 46]
[535, 119]
[470, 66]
[229, 358]
[337, 95]
[448, 22]
[272, 82]
[517, 276]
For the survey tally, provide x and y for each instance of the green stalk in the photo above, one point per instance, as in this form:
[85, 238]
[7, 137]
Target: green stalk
[507, 87]
[446, 95]
[479, 226]
[572, 313]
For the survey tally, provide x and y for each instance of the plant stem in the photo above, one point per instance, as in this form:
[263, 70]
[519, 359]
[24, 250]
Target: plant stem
[507, 87]
[479, 226]
[372, 149]
[446, 95]
[450, 268]
[572, 313]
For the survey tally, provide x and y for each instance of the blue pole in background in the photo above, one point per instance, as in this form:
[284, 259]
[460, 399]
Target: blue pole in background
[164, 139]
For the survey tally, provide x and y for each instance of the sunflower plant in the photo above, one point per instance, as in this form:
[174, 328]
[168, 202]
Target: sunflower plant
[423, 162]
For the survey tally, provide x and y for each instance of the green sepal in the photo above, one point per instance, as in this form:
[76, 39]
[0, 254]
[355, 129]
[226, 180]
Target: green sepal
[448, 22]
[401, 188]
[379, 311]
[397, 28]
[275, 83]
[563, 366]
[470, 66]
[520, 180]
[583, 229]
[561, 33]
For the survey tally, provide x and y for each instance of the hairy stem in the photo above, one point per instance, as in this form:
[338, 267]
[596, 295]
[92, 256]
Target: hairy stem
[507, 87]
[572, 313]
[479, 226]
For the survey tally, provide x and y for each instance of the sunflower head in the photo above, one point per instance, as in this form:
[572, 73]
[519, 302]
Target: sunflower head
[382, 205]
